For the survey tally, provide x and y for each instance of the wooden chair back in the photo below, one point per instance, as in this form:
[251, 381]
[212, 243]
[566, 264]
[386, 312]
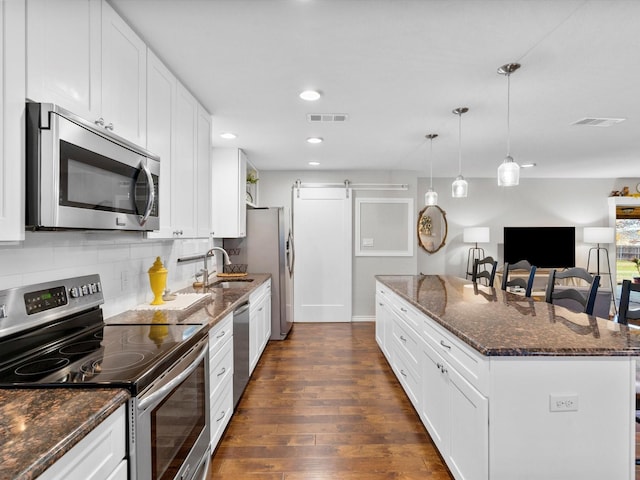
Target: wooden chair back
[522, 265]
[480, 270]
[624, 313]
[586, 299]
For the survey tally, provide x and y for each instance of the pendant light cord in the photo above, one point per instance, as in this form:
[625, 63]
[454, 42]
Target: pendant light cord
[508, 114]
[431, 163]
[459, 143]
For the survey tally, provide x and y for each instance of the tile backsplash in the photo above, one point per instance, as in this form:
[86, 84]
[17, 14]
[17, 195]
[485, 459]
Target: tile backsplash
[122, 260]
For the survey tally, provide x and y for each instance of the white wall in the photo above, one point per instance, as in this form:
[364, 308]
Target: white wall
[122, 260]
[544, 202]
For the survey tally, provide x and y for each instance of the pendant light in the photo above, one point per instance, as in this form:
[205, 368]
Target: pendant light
[459, 187]
[509, 170]
[431, 197]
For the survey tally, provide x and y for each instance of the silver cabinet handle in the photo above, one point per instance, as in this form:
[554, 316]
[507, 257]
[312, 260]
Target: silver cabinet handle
[402, 373]
[222, 371]
[445, 345]
[224, 412]
[99, 122]
[222, 334]
[403, 310]
[177, 232]
[381, 304]
[109, 127]
[403, 339]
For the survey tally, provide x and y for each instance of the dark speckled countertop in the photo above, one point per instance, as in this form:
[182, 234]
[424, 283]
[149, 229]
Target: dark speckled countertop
[210, 310]
[499, 323]
[38, 426]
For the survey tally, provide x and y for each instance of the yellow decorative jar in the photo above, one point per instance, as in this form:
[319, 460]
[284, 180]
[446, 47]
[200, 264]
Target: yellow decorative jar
[158, 281]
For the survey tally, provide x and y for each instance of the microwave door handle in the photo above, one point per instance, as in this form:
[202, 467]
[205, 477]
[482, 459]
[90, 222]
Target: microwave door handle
[152, 195]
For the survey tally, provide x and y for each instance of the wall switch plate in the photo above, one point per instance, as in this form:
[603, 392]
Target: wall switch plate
[563, 403]
[367, 242]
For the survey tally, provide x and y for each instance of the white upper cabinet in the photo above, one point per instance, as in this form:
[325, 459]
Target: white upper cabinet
[63, 54]
[82, 56]
[229, 195]
[12, 139]
[203, 191]
[124, 78]
[183, 165]
[161, 104]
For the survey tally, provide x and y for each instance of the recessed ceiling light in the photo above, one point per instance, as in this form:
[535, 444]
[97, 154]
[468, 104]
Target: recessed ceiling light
[228, 135]
[527, 165]
[315, 139]
[314, 164]
[310, 95]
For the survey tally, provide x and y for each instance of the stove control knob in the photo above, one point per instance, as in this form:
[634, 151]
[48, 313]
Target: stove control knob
[3, 311]
[98, 286]
[85, 290]
[75, 292]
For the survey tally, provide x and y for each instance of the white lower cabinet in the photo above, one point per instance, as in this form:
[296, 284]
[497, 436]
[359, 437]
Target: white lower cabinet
[259, 322]
[456, 416]
[384, 321]
[221, 377]
[101, 455]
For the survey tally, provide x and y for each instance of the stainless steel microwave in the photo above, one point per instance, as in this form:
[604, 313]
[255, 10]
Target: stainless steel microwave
[81, 176]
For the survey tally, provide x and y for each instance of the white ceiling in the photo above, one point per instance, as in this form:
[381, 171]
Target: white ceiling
[398, 68]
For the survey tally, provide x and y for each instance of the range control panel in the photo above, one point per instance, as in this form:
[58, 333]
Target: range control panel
[25, 307]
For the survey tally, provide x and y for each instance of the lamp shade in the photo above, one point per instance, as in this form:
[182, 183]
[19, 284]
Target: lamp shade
[598, 235]
[476, 235]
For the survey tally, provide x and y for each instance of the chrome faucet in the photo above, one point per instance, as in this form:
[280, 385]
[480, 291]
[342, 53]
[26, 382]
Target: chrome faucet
[205, 270]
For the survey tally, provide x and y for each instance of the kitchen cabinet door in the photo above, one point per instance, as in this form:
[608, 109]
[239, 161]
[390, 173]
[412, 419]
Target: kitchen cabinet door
[63, 54]
[12, 138]
[259, 323]
[435, 396]
[161, 104]
[203, 159]
[229, 200]
[183, 165]
[124, 73]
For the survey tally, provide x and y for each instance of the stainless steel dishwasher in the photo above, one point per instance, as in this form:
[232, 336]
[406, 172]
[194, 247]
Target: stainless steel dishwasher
[240, 351]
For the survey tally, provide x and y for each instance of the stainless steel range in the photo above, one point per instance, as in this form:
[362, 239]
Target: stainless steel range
[53, 335]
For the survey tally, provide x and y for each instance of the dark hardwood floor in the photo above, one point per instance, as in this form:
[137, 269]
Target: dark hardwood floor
[324, 404]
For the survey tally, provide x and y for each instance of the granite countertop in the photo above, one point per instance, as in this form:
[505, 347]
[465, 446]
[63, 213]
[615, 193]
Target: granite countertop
[38, 426]
[499, 323]
[210, 310]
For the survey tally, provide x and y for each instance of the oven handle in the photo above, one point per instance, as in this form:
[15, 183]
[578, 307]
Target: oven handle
[161, 392]
[152, 196]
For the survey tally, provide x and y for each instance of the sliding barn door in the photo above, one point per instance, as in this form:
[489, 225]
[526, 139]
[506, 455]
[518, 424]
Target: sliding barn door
[322, 225]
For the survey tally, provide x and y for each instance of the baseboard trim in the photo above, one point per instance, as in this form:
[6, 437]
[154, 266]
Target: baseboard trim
[363, 318]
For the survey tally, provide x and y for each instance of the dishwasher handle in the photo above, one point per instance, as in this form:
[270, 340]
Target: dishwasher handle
[241, 309]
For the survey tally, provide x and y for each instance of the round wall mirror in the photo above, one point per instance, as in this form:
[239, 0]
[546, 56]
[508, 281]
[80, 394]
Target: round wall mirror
[432, 228]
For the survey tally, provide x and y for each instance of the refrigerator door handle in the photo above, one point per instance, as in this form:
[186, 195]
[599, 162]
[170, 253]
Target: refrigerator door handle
[291, 255]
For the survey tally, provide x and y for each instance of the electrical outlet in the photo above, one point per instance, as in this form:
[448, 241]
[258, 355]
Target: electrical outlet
[563, 403]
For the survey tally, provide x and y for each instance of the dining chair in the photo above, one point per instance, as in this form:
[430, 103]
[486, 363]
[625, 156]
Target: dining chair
[624, 313]
[480, 270]
[522, 266]
[576, 299]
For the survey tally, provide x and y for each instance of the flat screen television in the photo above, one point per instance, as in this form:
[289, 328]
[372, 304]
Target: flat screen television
[544, 247]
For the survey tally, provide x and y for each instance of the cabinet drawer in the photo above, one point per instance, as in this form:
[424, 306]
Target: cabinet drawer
[407, 340]
[471, 365]
[409, 314]
[406, 373]
[260, 292]
[220, 333]
[221, 411]
[220, 367]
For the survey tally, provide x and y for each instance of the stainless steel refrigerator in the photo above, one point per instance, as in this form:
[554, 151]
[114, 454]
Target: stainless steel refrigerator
[268, 248]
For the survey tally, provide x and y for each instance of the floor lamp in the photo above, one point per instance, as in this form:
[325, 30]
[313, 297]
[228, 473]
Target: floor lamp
[475, 235]
[601, 235]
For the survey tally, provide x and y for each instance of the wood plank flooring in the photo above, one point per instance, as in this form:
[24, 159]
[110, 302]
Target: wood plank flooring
[324, 404]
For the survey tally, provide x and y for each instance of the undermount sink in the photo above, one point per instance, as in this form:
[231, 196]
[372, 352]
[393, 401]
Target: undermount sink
[235, 283]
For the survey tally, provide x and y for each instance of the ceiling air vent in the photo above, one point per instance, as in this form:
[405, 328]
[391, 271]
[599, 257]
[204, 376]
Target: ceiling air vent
[327, 117]
[598, 122]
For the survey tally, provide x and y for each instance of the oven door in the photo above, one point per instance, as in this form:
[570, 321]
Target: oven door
[89, 180]
[170, 437]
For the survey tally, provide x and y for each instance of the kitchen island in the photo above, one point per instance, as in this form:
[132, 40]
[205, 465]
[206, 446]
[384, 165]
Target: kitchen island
[509, 387]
